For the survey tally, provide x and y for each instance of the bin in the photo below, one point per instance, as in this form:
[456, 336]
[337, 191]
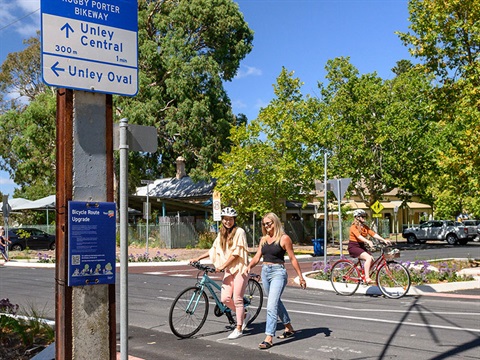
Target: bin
[317, 247]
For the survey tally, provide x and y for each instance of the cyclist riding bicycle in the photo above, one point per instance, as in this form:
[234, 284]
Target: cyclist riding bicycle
[357, 246]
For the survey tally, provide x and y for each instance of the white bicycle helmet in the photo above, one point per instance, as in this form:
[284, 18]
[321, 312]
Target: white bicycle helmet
[359, 212]
[229, 211]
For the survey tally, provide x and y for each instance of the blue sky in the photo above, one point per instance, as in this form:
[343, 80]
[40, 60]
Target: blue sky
[300, 35]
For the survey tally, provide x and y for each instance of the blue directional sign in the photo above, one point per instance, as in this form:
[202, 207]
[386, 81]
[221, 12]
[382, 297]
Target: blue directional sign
[91, 243]
[90, 45]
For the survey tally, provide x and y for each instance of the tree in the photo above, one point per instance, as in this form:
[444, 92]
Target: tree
[187, 48]
[446, 38]
[27, 146]
[272, 158]
[20, 75]
[378, 131]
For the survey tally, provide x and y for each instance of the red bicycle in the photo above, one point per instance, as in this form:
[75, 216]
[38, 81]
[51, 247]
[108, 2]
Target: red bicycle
[392, 278]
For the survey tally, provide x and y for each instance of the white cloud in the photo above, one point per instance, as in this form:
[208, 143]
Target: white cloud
[238, 104]
[246, 71]
[21, 16]
[6, 181]
[28, 5]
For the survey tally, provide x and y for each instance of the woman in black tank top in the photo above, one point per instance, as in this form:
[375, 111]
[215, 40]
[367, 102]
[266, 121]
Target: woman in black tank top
[273, 246]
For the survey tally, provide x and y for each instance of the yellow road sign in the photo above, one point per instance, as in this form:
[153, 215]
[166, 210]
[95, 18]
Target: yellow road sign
[377, 207]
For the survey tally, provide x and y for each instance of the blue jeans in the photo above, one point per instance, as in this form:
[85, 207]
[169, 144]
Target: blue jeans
[274, 279]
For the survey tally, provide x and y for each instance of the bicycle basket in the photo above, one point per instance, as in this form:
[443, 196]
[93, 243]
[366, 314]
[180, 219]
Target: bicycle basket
[392, 254]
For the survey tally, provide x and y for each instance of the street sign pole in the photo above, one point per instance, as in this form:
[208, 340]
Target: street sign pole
[339, 199]
[325, 180]
[395, 212]
[146, 212]
[90, 46]
[123, 154]
[6, 208]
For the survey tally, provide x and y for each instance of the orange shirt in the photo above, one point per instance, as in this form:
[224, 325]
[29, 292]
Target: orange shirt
[356, 231]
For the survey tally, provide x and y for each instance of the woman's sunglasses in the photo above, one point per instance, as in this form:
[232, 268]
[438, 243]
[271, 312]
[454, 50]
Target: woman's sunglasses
[267, 224]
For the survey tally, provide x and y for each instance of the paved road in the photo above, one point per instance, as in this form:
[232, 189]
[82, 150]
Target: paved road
[329, 326]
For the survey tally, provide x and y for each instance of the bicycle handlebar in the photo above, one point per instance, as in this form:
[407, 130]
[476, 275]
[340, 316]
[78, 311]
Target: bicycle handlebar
[202, 267]
[377, 245]
[206, 268]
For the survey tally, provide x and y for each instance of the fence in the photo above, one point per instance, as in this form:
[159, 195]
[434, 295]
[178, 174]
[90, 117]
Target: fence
[183, 232]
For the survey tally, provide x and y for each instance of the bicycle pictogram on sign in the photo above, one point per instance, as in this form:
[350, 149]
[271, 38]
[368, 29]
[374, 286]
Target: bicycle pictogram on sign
[377, 207]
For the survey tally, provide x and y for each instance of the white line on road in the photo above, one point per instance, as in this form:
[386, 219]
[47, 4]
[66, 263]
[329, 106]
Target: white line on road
[385, 321]
[356, 309]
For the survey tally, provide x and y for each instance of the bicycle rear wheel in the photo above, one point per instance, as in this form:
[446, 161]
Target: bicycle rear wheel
[188, 312]
[253, 299]
[345, 277]
[393, 280]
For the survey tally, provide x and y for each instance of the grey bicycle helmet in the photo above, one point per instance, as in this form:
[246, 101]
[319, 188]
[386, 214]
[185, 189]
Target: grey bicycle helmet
[229, 211]
[359, 212]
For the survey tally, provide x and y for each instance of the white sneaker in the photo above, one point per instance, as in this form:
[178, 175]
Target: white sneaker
[248, 316]
[235, 334]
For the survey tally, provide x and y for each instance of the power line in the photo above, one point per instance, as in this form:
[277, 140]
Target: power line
[19, 19]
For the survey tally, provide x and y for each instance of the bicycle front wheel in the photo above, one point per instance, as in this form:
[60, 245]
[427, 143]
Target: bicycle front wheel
[393, 280]
[188, 312]
[345, 277]
[253, 299]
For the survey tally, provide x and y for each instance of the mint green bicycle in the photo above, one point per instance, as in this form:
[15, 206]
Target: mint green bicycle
[189, 310]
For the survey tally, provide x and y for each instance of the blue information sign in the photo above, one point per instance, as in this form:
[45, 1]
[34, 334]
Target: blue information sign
[91, 243]
[115, 13]
[90, 45]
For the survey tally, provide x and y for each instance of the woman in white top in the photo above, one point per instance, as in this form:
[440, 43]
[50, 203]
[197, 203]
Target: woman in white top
[229, 253]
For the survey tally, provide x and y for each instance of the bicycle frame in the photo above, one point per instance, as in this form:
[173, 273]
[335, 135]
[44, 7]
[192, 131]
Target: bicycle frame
[373, 269]
[206, 282]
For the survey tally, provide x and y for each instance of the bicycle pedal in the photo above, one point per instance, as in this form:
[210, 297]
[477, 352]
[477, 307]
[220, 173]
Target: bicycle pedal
[217, 311]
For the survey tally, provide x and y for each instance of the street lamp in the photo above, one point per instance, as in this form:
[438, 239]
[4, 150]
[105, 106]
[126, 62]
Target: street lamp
[146, 211]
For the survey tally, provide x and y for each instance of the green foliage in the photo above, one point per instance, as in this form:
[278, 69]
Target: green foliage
[30, 329]
[206, 239]
[273, 158]
[187, 48]
[445, 36]
[20, 74]
[27, 146]
[379, 131]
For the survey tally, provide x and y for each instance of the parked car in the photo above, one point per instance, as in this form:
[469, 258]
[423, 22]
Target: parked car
[472, 227]
[31, 238]
[450, 231]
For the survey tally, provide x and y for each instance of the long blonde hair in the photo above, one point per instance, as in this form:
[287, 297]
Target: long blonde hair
[278, 232]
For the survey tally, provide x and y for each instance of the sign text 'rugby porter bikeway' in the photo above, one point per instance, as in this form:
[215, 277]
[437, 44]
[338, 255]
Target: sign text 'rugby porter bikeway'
[90, 45]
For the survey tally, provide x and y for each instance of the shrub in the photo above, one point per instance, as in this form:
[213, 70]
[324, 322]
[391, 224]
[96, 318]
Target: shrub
[158, 257]
[206, 239]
